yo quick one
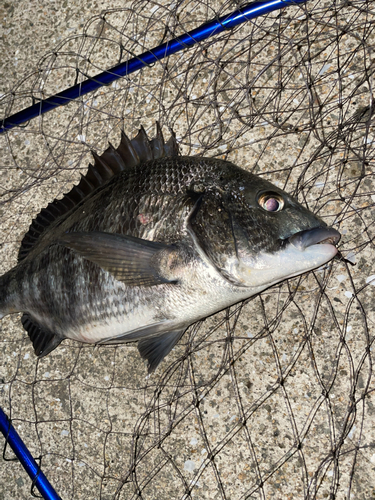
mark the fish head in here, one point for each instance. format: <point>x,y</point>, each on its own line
<point>256,234</point>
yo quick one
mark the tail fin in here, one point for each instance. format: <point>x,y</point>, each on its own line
<point>9,293</point>
<point>10,302</point>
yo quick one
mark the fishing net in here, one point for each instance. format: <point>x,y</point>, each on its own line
<point>274,397</point>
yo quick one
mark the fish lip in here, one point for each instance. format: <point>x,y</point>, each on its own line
<point>315,236</point>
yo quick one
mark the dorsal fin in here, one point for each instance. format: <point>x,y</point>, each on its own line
<point>129,154</point>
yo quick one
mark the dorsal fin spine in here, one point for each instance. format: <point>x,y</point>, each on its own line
<point>86,185</point>
<point>100,164</point>
<point>127,151</point>
<point>93,176</point>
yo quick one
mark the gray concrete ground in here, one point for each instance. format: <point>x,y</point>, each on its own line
<point>272,399</point>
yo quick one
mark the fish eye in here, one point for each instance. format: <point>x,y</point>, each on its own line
<point>271,202</point>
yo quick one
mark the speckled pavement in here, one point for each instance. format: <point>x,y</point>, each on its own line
<point>284,409</point>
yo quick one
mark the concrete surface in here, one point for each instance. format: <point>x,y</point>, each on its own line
<point>272,399</point>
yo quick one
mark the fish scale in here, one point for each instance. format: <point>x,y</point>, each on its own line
<point>150,242</point>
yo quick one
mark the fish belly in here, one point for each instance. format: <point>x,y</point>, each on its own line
<point>74,298</point>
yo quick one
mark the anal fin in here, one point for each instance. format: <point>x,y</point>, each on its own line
<point>154,349</point>
<point>43,341</point>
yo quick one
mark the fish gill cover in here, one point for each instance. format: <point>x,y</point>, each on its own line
<point>274,397</point>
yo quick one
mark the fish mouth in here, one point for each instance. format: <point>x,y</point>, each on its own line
<point>316,236</point>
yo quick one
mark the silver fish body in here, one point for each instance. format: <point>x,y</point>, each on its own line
<point>150,242</point>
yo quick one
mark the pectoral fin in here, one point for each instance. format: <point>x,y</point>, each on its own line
<point>154,349</point>
<point>131,260</point>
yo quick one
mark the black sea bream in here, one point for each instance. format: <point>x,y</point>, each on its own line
<point>150,242</point>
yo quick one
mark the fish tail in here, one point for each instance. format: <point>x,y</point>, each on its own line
<point>3,296</point>
<point>12,300</point>
<point>8,293</point>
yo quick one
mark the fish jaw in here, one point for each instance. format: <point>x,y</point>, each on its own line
<point>300,253</point>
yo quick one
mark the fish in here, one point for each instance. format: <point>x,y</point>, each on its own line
<point>149,242</point>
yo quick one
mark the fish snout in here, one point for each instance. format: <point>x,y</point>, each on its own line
<point>315,236</point>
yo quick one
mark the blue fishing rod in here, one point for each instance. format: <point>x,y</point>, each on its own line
<point>26,459</point>
<point>186,40</point>
<point>214,27</point>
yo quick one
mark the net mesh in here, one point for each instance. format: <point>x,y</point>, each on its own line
<point>274,397</point>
